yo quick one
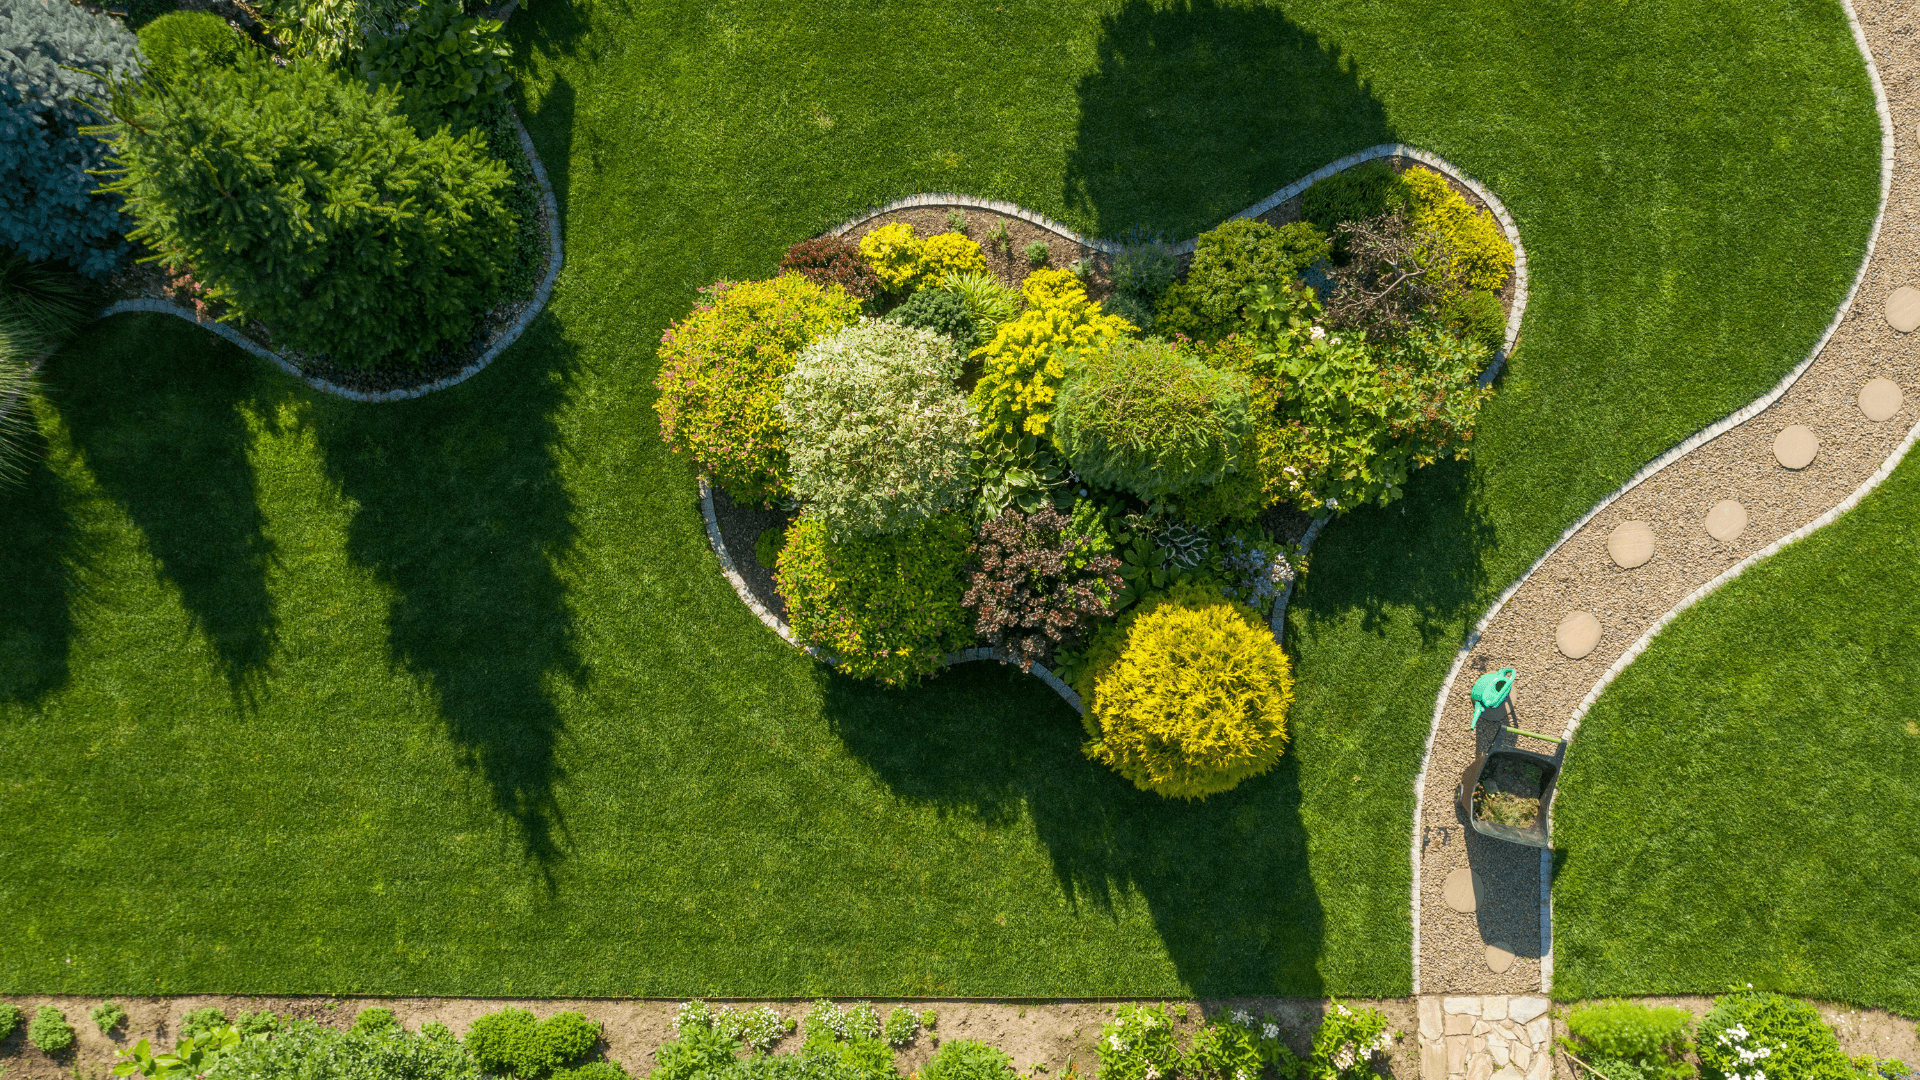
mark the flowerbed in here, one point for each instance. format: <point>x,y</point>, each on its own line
<point>975,456</point>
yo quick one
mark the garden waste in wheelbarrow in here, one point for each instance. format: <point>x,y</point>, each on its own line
<point>1505,793</point>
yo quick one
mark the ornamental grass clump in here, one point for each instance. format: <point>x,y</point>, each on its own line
<point>877,432</point>
<point>1022,367</point>
<point>1041,581</point>
<point>887,607</point>
<point>1149,419</point>
<point>832,260</point>
<point>305,202</point>
<point>1187,694</point>
<point>720,372</point>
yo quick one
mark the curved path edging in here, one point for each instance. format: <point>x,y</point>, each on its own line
<point>1681,450</point>
<point>506,337</point>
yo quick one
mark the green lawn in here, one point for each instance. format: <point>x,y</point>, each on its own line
<point>449,697</point>
<point>1743,804</point>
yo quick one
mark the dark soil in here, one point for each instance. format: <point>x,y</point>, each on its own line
<point>740,526</point>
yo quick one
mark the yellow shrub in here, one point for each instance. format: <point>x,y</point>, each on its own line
<point>1022,366</point>
<point>949,253</point>
<point>1482,258</point>
<point>1187,694</point>
<point>897,256</point>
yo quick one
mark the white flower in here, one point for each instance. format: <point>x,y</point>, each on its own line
<point>1152,1073</point>
<point>1318,333</point>
<point>1270,1031</point>
<point>1240,1017</point>
<point>1118,1046</point>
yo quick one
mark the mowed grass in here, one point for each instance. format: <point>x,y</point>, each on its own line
<point>450,697</point>
<point>1743,804</point>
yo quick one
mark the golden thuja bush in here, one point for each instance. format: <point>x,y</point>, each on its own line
<point>949,253</point>
<point>1187,694</point>
<point>1482,258</point>
<point>1021,368</point>
<point>896,255</point>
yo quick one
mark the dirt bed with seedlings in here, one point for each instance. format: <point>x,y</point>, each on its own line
<point>1738,465</point>
<point>1044,1038</point>
<point>1008,260</point>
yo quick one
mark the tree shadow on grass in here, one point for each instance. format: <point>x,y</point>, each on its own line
<point>462,511</point>
<point>1225,879</point>
<point>39,555</point>
<point>154,405</point>
<point>1198,109</point>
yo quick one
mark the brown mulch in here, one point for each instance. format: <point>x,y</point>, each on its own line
<point>1007,261</point>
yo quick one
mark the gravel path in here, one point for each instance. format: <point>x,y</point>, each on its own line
<point>1739,463</point>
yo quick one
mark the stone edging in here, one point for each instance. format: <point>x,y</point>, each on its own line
<point>499,344</point>
<point>1680,450</point>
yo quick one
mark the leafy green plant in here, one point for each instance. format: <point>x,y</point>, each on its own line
<point>1021,473</point>
<point>1137,1044</point>
<point>1238,1047</point>
<point>512,1042</point>
<point>1145,418</point>
<point>1655,1039</point>
<point>766,546</point>
<point>10,1018</point>
<point>939,311</point>
<point>849,1038</point>
<point>194,1055</point>
<point>1475,316</point>
<point>301,200</point>
<point>1365,191</point>
<point>107,1015</point>
<point>1000,238</point>
<point>52,56</point>
<point>968,1059</point>
<point>177,42</point>
<point>1021,368</point>
<point>445,65</point>
<point>1039,582</point>
<point>1186,695</point>
<point>877,432</point>
<point>1228,260</point>
<point>377,1019</point>
<point>761,1026</point>
<point>1145,270</point>
<point>592,1070</point>
<point>201,1022</point>
<point>957,221</point>
<point>1345,1045</point>
<point>988,302</point>
<point>720,377</point>
<point>887,607</point>
<point>698,1050</point>
<point>330,30</point>
<point>1755,1035</point>
<point>303,1050</point>
<point>901,1026</point>
<point>1038,253</point>
<point>49,1031</point>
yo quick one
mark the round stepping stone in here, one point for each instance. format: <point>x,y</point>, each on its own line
<point>1577,634</point>
<point>1499,957</point>
<point>1726,521</point>
<point>1880,399</point>
<point>1903,308</point>
<point>1630,544</point>
<point>1463,890</point>
<point>1796,446</point>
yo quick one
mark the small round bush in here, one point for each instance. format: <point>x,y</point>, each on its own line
<point>593,1070</point>
<point>1227,261</point>
<point>106,1016</point>
<point>1800,1044</point>
<point>720,370</point>
<point>888,607</point>
<point>1476,316</point>
<point>502,1042</point>
<point>966,1059</point>
<point>1041,580</point>
<point>1145,418</point>
<point>940,311</point>
<point>49,1032</point>
<point>170,42</point>
<point>1187,694</point>
<point>949,253</point>
<point>376,1019</point>
<point>832,260</point>
<point>1130,307</point>
<point>9,1018</point>
<point>196,1023</point>
<point>562,1039</point>
<point>1482,258</point>
<point>877,432</point>
<point>896,255</point>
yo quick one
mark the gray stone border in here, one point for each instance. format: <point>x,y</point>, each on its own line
<point>499,344</point>
<point>1685,447</point>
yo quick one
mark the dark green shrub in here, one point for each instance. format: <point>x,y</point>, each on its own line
<point>1788,1039</point>
<point>766,546</point>
<point>1147,419</point>
<point>1476,316</point>
<point>40,303</point>
<point>939,311</point>
<point>1653,1040</point>
<point>1364,191</point>
<point>511,1042</point>
<point>108,1015</point>
<point>198,1023</point>
<point>446,65</point>
<point>698,1050</point>
<point>49,1032</point>
<point>308,204</point>
<point>306,1051</point>
<point>1130,307</point>
<point>9,1018</point>
<point>1227,261</point>
<point>177,43</point>
<point>966,1059</point>
<point>50,55</point>
<point>1145,271</point>
<point>1039,582</point>
<point>377,1020</point>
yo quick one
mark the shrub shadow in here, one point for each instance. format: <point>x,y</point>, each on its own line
<point>39,560</point>
<point>162,431</point>
<point>1225,879</point>
<point>463,513</point>
<point>1197,110</point>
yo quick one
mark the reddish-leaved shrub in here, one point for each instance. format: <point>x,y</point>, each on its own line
<point>832,260</point>
<point>1038,583</point>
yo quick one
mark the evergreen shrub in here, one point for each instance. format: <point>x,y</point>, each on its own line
<point>1145,271</point>
<point>170,44</point>
<point>52,54</point>
<point>303,201</point>
<point>896,255</point>
<point>968,1059</point>
<point>1039,582</point>
<point>877,432</point>
<point>1227,261</point>
<point>939,311</point>
<point>1482,258</point>
<point>1021,368</point>
<point>888,607</point>
<point>1145,418</point>
<point>512,1043</point>
<point>1365,191</point>
<point>720,371</point>
<point>49,1032</point>
<point>446,66</point>
<point>832,260</point>
<point>949,253</point>
<point>1186,695</point>
<point>1130,308</point>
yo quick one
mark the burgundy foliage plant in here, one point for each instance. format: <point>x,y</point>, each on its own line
<point>1035,587</point>
<point>832,260</point>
